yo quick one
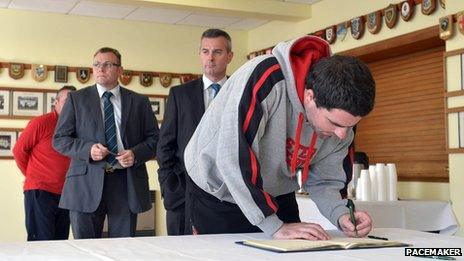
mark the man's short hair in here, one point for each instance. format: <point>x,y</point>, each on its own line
<point>215,33</point>
<point>342,82</point>
<point>109,50</point>
<point>66,87</point>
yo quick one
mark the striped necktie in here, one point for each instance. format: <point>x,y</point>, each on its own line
<point>216,87</point>
<point>110,128</point>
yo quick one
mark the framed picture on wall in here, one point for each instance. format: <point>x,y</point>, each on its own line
<point>27,103</point>
<point>50,101</point>
<point>4,102</point>
<point>61,73</point>
<point>157,105</point>
<point>7,142</point>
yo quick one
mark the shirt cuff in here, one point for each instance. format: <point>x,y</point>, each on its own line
<point>270,225</point>
<point>337,213</point>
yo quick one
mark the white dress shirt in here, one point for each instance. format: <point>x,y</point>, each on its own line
<point>208,92</point>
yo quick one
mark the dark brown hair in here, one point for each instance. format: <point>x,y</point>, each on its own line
<point>109,50</point>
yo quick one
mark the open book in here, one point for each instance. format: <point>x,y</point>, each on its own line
<point>298,245</point>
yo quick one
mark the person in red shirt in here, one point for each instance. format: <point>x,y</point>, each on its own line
<point>44,170</point>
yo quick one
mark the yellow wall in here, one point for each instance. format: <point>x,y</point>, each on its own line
<point>55,39</point>
<point>332,12</point>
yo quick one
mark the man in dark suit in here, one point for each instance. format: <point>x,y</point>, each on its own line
<point>109,132</point>
<point>185,107</point>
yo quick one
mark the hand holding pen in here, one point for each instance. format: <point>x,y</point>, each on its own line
<point>350,206</point>
<point>98,151</point>
<point>355,223</point>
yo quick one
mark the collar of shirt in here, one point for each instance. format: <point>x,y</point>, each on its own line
<point>116,91</point>
<point>207,82</point>
<point>55,114</point>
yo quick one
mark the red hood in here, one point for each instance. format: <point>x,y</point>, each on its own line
<point>303,54</point>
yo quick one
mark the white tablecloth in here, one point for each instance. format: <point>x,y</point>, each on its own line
<point>409,214</point>
<point>211,247</point>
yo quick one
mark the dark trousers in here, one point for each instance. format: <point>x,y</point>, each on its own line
<point>207,215</point>
<point>175,221</point>
<point>114,205</point>
<point>44,219</point>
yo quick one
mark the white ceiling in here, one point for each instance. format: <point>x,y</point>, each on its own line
<point>141,13</point>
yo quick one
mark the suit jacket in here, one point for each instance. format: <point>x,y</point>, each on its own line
<point>80,125</point>
<point>183,112</point>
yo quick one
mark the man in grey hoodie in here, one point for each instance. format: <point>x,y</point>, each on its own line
<point>279,113</point>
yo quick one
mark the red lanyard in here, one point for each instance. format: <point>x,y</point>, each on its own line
<point>309,156</point>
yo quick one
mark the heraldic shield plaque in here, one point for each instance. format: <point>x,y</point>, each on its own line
<point>446,27</point>
<point>331,34</point>
<point>391,16</point>
<point>407,10</point>
<point>83,74</point>
<point>374,20</point>
<point>341,31</point>
<point>39,72</point>
<point>16,70</point>
<point>126,77</point>
<point>357,27</point>
<point>428,6</point>
<point>146,78</point>
<point>165,79</point>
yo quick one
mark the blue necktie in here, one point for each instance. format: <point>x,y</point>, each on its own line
<point>216,87</point>
<point>110,128</point>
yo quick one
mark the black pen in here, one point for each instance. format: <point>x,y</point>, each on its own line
<point>350,206</point>
<point>112,153</point>
<point>376,237</point>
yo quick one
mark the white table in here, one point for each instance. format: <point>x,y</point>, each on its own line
<point>211,247</point>
<point>409,214</point>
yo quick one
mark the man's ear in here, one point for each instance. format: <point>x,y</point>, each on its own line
<point>308,95</point>
<point>230,55</point>
<point>120,71</point>
<point>56,100</point>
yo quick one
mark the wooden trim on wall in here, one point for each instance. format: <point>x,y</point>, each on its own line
<point>22,89</point>
<point>429,179</point>
<point>454,110</point>
<point>454,93</point>
<point>454,52</point>
<point>445,103</point>
<point>16,117</point>
<point>73,69</point>
<point>455,150</point>
<point>12,129</point>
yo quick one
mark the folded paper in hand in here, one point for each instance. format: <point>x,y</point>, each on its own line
<point>299,245</point>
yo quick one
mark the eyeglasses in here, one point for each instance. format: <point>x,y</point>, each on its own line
<point>105,65</point>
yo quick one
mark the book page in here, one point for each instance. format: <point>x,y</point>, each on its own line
<point>294,244</point>
<point>352,242</point>
<point>333,244</point>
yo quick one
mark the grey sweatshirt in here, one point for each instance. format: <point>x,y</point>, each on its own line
<point>248,145</point>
